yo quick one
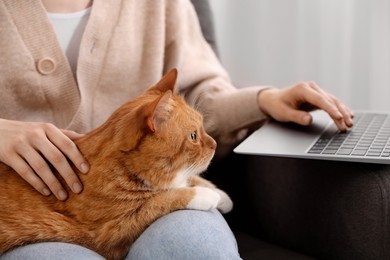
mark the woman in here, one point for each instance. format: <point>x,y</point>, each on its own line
<point>67,65</point>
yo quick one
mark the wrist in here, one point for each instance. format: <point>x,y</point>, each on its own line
<point>263,97</point>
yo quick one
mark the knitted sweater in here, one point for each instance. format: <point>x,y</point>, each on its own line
<point>127,46</point>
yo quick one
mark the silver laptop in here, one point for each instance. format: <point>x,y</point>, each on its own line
<point>367,141</point>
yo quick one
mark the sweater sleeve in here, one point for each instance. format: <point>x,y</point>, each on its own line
<point>227,110</point>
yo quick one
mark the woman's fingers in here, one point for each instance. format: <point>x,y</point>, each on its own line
<point>298,116</point>
<point>315,96</point>
<point>71,134</point>
<point>293,103</point>
<point>34,150</point>
<point>57,159</point>
<point>343,109</point>
<point>43,170</point>
<point>67,146</point>
<point>28,174</point>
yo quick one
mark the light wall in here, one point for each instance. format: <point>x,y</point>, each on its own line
<point>343,45</point>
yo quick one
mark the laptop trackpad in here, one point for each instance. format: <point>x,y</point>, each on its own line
<point>276,138</point>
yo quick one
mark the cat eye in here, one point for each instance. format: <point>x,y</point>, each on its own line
<point>193,136</point>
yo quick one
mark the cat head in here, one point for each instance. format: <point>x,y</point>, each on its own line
<point>160,138</point>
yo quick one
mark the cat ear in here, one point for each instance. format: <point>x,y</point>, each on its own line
<point>159,111</point>
<point>167,82</point>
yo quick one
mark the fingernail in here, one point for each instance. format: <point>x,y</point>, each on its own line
<point>343,126</point>
<point>77,187</point>
<point>84,168</point>
<point>349,122</point>
<point>62,195</point>
<point>307,119</point>
<point>46,192</point>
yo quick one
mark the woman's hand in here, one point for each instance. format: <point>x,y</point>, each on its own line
<point>28,147</point>
<point>293,103</point>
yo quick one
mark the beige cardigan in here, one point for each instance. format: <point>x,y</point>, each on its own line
<point>127,46</point>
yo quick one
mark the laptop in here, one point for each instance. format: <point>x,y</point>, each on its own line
<point>368,141</point>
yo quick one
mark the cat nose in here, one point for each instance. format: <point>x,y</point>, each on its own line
<point>213,144</point>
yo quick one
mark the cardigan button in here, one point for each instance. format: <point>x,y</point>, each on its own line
<point>46,66</point>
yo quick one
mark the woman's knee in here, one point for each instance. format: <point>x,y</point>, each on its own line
<point>49,251</point>
<point>187,234</point>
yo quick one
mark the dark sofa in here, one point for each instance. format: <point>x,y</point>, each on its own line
<point>306,209</point>
<point>303,209</point>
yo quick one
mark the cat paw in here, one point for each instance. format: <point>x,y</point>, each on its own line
<point>204,199</point>
<point>225,204</point>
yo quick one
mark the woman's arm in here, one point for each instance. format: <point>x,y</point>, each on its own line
<point>228,111</point>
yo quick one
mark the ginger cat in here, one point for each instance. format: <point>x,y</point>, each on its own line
<point>145,162</point>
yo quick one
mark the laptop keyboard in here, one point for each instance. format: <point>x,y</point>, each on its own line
<point>370,136</point>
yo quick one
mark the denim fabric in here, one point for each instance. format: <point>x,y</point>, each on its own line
<point>185,234</point>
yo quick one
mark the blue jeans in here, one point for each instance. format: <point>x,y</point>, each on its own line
<point>184,234</point>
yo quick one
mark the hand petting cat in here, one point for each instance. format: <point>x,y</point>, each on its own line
<point>293,103</point>
<point>28,146</point>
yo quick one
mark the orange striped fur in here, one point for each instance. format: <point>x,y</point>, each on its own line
<point>145,162</point>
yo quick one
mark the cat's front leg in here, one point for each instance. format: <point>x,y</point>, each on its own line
<point>204,199</point>
<point>225,204</point>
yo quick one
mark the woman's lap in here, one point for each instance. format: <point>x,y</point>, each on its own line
<point>51,250</point>
<point>185,234</point>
